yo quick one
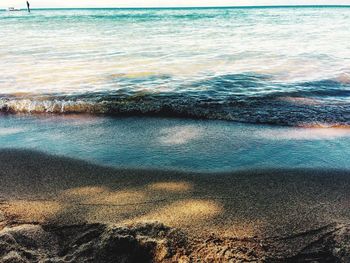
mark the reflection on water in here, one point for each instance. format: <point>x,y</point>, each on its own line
<point>179,134</point>
<point>177,143</point>
<point>305,134</point>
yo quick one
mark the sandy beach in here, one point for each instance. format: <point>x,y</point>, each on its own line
<point>186,131</point>
<point>262,215</point>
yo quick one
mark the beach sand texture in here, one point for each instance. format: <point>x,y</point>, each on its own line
<point>272,214</point>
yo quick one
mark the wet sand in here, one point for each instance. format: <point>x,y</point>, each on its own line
<point>276,213</point>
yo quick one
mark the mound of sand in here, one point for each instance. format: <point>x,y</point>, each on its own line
<point>90,243</point>
<point>154,242</point>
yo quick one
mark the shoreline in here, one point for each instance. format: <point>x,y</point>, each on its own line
<point>292,207</point>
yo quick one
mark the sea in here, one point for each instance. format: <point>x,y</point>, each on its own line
<point>204,89</point>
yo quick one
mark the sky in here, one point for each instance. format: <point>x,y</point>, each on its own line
<point>163,3</point>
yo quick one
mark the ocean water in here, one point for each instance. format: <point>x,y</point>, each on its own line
<point>179,144</point>
<point>281,66</point>
<point>97,84</point>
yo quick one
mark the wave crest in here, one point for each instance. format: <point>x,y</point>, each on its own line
<point>242,98</point>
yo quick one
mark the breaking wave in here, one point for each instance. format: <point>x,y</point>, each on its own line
<point>248,98</point>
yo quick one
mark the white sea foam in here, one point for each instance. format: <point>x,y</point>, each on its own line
<point>9,131</point>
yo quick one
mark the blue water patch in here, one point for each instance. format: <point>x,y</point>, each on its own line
<point>177,143</point>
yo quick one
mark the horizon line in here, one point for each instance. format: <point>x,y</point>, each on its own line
<point>190,7</point>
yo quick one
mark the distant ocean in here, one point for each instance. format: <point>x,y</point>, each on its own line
<point>284,66</point>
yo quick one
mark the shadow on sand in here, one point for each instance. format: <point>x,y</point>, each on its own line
<point>298,205</point>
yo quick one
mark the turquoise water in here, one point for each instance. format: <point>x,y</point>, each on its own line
<point>180,144</point>
<point>283,66</point>
<point>222,72</point>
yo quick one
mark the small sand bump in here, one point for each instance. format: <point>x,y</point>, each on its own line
<point>186,212</point>
<point>83,192</point>
<point>171,186</point>
<point>33,211</point>
<point>119,197</point>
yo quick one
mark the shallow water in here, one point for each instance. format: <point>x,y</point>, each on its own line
<point>285,66</point>
<point>177,143</point>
